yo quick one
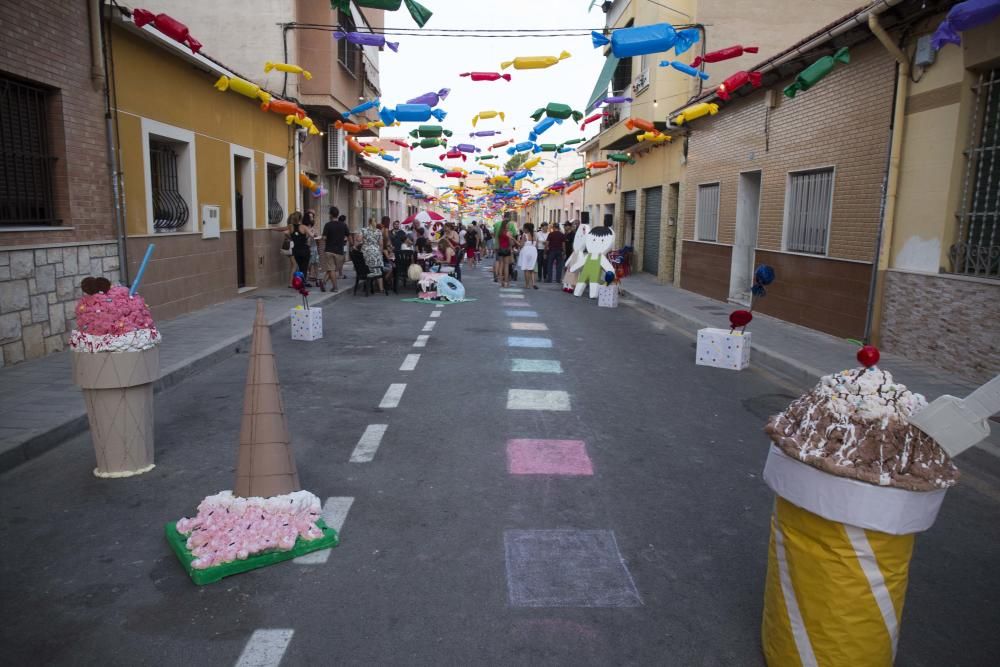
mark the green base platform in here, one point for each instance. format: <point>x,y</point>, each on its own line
<point>215,573</point>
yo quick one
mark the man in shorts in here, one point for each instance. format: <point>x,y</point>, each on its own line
<point>335,234</point>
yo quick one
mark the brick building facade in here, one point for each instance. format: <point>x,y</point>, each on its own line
<point>829,143</point>
<point>56,215</point>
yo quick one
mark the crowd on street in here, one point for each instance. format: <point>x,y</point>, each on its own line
<point>387,248</point>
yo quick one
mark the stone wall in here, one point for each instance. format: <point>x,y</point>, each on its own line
<point>38,291</point>
<point>944,320</point>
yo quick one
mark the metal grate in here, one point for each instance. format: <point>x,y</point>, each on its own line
<point>25,159</point>
<point>170,211</point>
<point>807,216</point>
<point>707,213</point>
<point>275,214</point>
<point>348,54</point>
<point>976,251</point>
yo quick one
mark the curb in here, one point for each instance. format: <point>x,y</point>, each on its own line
<point>42,442</point>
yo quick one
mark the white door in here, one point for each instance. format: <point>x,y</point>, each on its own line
<point>747,217</point>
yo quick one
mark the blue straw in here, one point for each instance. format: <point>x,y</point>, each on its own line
<point>142,269</point>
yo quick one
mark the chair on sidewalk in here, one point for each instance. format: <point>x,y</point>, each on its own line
<point>362,275</point>
<point>404,258</point>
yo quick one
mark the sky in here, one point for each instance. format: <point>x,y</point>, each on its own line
<point>426,64</point>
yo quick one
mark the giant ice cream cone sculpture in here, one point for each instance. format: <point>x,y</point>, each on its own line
<point>265,465</point>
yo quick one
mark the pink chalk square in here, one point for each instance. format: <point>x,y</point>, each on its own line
<point>527,456</point>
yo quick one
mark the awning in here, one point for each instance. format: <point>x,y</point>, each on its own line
<point>603,81</point>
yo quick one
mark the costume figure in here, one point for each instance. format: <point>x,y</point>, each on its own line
<point>594,263</point>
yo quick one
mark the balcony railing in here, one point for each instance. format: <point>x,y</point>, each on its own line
<point>615,113</point>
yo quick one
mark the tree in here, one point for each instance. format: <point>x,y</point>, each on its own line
<point>515,162</point>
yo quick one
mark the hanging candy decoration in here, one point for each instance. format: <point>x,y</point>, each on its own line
<point>431,99</point>
<point>433,167</point>
<point>557,110</point>
<point>410,113</point>
<point>366,39</point>
<point>304,122</point>
<point>534,62</point>
<point>961,17</point>
<point>485,133</point>
<point>484,115</point>
<point>350,128</point>
<point>520,147</point>
<point>455,173</point>
<point>654,137</point>
<point>685,68</point>
<point>578,174</point>
<point>430,131</point>
<point>590,119</point>
<point>311,185</point>
<point>355,146</point>
<point>431,142</point>
<point>453,154</point>
<point>287,69</point>
<point>371,149</point>
<point>737,81</point>
<point>418,12</point>
<point>389,158</point>
<point>488,156</point>
<point>615,99</point>
<point>531,162</point>
<point>361,108</point>
<point>573,142</point>
<point>645,39</point>
<point>723,54</point>
<point>283,107</point>
<point>168,25</point>
<point>243,87</point>
<point>621,157</point>
<point>564,149</point>
<point>400,143</point>
<point>376,123</point>
<point>486,76</point>
<point>545,148</point>
<point>695,111</point>
<point>811,75</point>
<point>541,127</point>
<point>598,164</point>
<point>634,123</point>
<point>573,188</point>
<point>468,148</point>
<point>500,144</point>
<point>490,165</point>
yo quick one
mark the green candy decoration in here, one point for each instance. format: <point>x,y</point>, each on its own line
<point>546,148</point>
<point>429,131</point>
<point>420,14</point>
<point>808,77</point>
<point>557,110</point>
<point>621,157</point>
<point>573,141</point>
<point>578,174</point>
<point>488,156</point>
<point>429,143</point>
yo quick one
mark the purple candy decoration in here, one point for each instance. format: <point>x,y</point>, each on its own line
<point>617,99</point>
<point>431,99</point>
<point>484,133</point>
<point>964,16</point>
<point>366,39</point>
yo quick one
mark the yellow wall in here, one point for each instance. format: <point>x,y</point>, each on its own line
<point>154,83</point>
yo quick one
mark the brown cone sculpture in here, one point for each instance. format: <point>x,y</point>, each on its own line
<point>266,465</point>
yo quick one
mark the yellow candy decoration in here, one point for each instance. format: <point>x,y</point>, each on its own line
<point>243,87</point>
<point>695,111</point>
<point>534,62</point>
<point>288,69</point>
<point>528,164</point>
<point>483,115</point>
<point>654,137</point>
<point>306,123</point>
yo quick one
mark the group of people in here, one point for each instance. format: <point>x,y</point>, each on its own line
<point>540,252</point>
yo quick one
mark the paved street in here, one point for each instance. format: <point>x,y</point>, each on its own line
<point>549,483</point>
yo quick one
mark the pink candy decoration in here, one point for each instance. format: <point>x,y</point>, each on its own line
<point>114,313</point>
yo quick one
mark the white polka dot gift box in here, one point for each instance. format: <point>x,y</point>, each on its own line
<point>722,349</point>
<point>307,323</point>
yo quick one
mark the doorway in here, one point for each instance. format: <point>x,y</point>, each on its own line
<point>242,189</point>
<point>745,244</point>
<point>652,198</point>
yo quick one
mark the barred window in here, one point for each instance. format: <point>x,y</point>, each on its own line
<point>347,53</point>
<point>26,160</point>
<point>976,251</point>
<point>808,204</point>
<point>707,213</point>
<point>275,213</point>
<point>170,210</point>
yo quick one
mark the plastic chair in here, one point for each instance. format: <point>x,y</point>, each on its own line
<point>362,275</point>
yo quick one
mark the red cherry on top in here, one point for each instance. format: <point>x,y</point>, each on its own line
<point>740,318</point>
<point>868,356</point>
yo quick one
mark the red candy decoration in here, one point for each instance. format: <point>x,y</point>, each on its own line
<point>737,81</point>
<point>740,318</point>
<point>168,25</point>
<point>868,356</point>
<point>723,54</point>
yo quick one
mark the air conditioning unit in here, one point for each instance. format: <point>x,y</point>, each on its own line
<point>336,149</point>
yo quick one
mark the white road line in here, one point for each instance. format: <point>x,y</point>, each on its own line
<point>429,325</point>
<point>421,341</point>
<point>365,450</point>
<point>535,366</point>
<point>528,326</point>
<point>435,313</point>
<point>392,395</point>
<point>439,306</point>
<point>410,362</point>
<point>334,513</point>
<point>265,648</point>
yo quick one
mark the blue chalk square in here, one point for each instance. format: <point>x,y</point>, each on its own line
<point>524,341</point>
<point>520,313</point>
<point>567,568</point>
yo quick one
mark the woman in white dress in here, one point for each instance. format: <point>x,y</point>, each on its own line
<point>528,258</point>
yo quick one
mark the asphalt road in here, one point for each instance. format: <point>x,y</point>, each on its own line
<point>447,558</point>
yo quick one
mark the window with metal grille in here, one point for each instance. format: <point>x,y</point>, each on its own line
<point>275,214</point>
<point>808,204</point>
<point>976,251</point>
<point>170,210</point>
<point>348,54</point>
<point>707,213</point>
<point>621,82</point>
<point>26,162</point>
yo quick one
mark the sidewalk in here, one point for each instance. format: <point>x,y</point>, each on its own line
<point>41,406</point>
<point>800,354</point>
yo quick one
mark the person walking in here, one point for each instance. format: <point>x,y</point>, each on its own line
<point>314,276</point>
<point>335,234</point>
<point>505,250</point>
<point>299,235</point>
<point>527,260</point>
<point>472,244</point>
<point>554,255</point>
<point>507,223</point>
<point>371,248</point>
<point>541,238</point>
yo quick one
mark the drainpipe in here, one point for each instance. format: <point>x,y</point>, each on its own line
<point>96,56</point>
<point>883,245</point>
<point>105,80</point>
<point>298,187</point>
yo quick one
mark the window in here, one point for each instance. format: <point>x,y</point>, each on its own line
<point>26,161</point>
<point>808,201</point>
<point>275,212</point>
<point>347,53</point>
<point>707,213</point>
<point>976,251</point>
<point>170,210</point>
<point>621,84</point>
